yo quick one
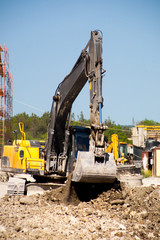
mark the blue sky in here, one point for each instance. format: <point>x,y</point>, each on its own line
<point>45,38</point>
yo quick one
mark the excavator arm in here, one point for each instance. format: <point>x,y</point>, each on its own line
<point>63,99</point>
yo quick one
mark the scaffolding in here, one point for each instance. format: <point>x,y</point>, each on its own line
<point>6,98</point>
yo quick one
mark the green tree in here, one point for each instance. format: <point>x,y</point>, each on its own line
<point>72,117</point>
<point>123,132</point>
<point>35,127</point>
<point>81,117</point>
<point>148,122</point>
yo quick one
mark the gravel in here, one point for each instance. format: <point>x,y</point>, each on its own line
<point>64,213</point>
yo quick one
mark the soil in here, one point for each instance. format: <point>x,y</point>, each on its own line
<point>83,212</point>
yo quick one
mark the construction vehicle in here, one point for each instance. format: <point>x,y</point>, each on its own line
<point>122,151</point>
<point>113,147</point>
<point>123,156</point>
<point>70,149</point>
<point>23,156</point>
<point>126,152</point>
<point>60,153</point>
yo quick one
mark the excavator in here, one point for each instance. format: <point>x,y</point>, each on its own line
<point>122,151</point>
<point>75,150</point>
<point>118,149</point>
<point>61,153</point>
<point>23,155</point>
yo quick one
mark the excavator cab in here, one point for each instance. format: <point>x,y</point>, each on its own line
<point>123,149</point>
<point>81,139</point>
<point>78,141</point>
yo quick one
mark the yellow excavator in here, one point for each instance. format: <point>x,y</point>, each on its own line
<point>24,156</point>
<point>114,146</point>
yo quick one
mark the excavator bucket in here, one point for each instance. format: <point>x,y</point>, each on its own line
<point>88,170</point>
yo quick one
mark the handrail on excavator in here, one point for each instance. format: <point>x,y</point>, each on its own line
<point>21,128</point>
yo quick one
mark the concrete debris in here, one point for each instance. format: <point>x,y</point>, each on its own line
<point>27,200</point>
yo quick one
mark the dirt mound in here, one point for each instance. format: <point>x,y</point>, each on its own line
<point>138,206</point>
<point>128,213</point>
<point>74,193</point>
<point>65,194</point>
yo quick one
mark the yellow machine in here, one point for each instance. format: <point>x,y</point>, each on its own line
<point>123,152</point>
<point>22,157</point>
<point>113,146</point>
<point>117,149</point>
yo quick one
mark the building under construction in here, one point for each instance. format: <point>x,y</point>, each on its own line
<point>6,98</point>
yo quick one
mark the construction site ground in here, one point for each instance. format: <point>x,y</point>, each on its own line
<point>66,213</point>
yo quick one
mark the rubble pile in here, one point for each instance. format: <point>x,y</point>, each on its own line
<point>4,176</point>
<point>127,213</point>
